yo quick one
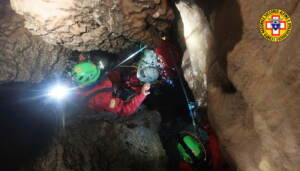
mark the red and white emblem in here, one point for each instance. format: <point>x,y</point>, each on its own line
<point>276,25</point>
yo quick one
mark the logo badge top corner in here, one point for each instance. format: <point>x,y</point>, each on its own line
<point>275,25</point>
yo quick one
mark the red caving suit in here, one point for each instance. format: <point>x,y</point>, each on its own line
<point>106,101</point>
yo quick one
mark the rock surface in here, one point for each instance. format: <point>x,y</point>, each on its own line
<point>96,24</point>
<point>24,57</point>
<point>253,87</point>
<point>199,47</point>
<point>106,142</point>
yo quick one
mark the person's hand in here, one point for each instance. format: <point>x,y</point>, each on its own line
<point>146,88</point>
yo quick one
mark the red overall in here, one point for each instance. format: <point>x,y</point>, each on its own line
<point>183,166</point>
<point>105,100</point>
<point>214,150</point>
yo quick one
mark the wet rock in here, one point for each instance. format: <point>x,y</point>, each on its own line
<point>24,57</point>
<point>199,47</point>
<point>96,25</point>
<point>106,142</point>
<point>253,88</point>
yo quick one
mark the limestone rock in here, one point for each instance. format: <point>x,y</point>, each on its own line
<point>24,57</point>
<point>253,88</point>
<point>199,47</point>
<point>253,85</point>
<point>95,24</point>
<point>105,142</point>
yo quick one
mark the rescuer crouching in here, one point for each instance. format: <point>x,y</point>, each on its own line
<point>97,90</point>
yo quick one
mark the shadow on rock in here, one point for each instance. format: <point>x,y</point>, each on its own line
<point>228,30</point>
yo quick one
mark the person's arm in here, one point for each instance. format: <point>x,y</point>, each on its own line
<point>132,105</point>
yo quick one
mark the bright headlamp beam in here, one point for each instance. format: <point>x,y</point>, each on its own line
<point>58,92</point>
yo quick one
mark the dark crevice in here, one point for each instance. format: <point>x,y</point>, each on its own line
<point>228,30</point>
<point>26,126</point>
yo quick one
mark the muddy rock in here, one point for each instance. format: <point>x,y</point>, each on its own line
<point>96,24</point>
<point>24,57</point>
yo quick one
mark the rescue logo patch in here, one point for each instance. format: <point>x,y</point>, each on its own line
<point>275,25</point>
<point>112,103</point>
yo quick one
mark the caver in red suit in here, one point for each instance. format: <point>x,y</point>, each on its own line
<point>105,100</point>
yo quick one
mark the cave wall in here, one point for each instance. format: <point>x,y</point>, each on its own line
<point>253,87</point>
<point>24,57</point>
<point>96,24</point>
<point>199,44</point>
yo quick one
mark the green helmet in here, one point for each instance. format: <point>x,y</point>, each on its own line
<point>190,149</point>
<point>85,73</point>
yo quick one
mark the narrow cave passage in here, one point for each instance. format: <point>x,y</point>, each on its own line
<point>92,141</point>
<point>29,123</point>
<point>245,86</point>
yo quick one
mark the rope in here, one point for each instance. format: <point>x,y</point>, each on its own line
<point>189,104</point>
<point>129,57</point>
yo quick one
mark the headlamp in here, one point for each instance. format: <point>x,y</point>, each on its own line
<point>58,91</point>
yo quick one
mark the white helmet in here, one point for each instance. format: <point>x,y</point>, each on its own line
<point>148,67</point>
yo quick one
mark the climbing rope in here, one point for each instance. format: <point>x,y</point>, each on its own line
<point>191,105</point>
<point>130,57</point>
